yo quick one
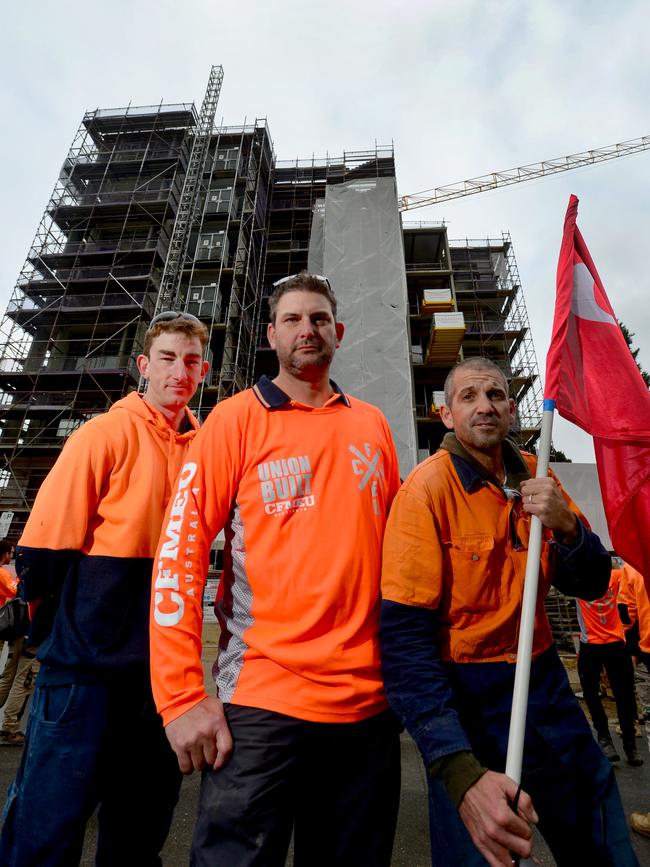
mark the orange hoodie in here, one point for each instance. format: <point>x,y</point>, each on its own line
<point>88,545</point>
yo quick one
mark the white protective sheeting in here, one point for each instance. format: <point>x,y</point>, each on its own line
<point>363,257</point>
<point>581,483</point>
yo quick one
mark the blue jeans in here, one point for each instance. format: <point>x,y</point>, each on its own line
<point>89,745</point>
<point>580,813</point>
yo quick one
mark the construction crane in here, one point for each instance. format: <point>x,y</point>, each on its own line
<point>495,180</point>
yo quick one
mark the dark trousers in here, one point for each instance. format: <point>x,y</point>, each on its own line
<point>336,785</point>
<point>91,745</point>
<point>616,661</point>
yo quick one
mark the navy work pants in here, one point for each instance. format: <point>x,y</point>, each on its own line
<point>580,812</point>
<point>336,785</point>
<point>90,745</point>
<point>616,661</point>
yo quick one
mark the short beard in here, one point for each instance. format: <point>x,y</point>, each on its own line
<point>309,367</point>
<point>488,439</point>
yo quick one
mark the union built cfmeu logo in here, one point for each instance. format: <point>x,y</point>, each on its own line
<point>285,484</point>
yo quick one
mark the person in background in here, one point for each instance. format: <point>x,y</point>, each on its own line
<point>602,646</point>
<point>8,581</point>
<point>94,738</point>
<point>635,609</point>
<point>21,666</point>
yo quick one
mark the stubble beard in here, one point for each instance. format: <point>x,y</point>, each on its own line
<point>490,438</point>
<point>307,367</point>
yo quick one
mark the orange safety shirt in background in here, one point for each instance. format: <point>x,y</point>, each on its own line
<point>303,493</point>
<point>8,585</point>
<point>599,621</point>
<point>635,595</point>
<point>463,553</point>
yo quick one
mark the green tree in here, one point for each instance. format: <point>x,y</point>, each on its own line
<point>628,335</point>
<point>559,456</point>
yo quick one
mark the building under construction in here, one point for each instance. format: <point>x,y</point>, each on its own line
<point>156,208</point>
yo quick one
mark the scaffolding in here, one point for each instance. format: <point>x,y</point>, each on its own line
<point>242,320</point>
<point>88,288</point>
<point>298,186</point>
<point>155,208</point>
<point>488,291</point>
<point>465,300</point>
<point>197,143</point>
<point>224,266</point>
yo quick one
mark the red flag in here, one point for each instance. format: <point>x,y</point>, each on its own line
<point>595,383</point>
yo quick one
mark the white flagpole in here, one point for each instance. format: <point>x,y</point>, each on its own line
<point>525,647</point>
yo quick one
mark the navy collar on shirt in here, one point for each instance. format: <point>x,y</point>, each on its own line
<point>472,474</point>
<point>272,397</point>
<point>466,473</point>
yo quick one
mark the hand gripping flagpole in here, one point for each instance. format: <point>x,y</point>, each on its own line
<point>515,754</point>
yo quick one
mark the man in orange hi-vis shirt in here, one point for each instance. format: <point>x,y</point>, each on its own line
<point>602,645</point>
<point>453,567</point>
<point>302,477</point>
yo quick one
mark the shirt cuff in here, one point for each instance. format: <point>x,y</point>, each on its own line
<point>575,543</point>
<point>457,772</point>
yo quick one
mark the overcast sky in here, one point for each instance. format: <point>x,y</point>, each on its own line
<point>461,87</point>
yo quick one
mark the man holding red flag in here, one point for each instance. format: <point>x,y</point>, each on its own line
<point>455,551</point>
<point>594,382</point>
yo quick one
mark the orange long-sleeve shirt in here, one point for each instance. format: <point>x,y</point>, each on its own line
<point>460,548</point>
<point>304,493</point>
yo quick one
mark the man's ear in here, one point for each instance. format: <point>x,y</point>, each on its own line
<point>446,417</point>
<point>143,365</point>
<point>270,334</point>
<point>340,331</point>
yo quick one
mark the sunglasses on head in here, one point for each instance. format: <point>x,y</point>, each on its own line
<point>318,277</point>
<point>171,316</point>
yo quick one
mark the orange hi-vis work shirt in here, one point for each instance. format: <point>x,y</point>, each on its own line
<point>599,621</point>
<point>303,494</point>
<point>8,585</point>
<point>634,594</point>
<point>463,553</point>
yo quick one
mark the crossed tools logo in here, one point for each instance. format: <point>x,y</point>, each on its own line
<point>371,469</point>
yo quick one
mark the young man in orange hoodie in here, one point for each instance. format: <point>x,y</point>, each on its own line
<point>94,737</point>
